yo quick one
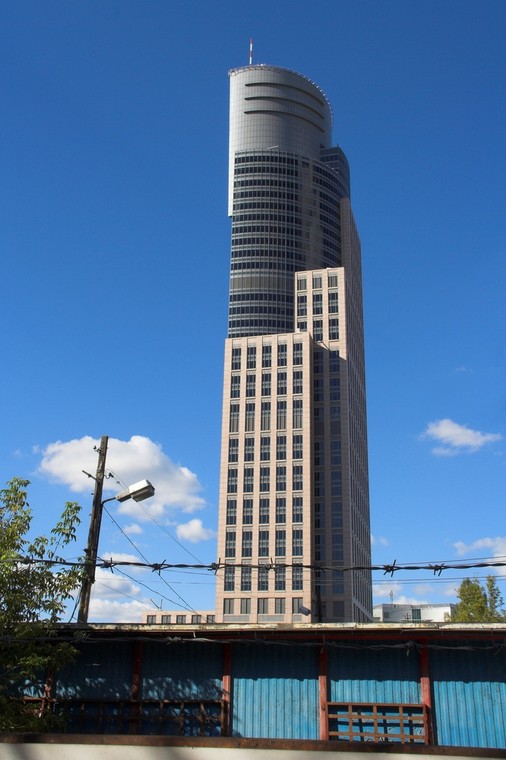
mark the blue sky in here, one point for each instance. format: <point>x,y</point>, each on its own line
<point>115,255</point>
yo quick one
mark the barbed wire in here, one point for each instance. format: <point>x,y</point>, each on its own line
<point>388,569</point>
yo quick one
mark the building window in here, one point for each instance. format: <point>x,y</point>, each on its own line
<point>229,579</point>
<point>266,356</point>
<point>235,386</point>
<point>251,357</point>
<point>282,354</point>
<point>150,619</point>
<point>280,478</point>
<point>263,578</point>
<point>334,389</point>
<point>232,480</point>
<point>297,581</point>
<point>228,606</point>
<point>333,328</point>
<point>236,358</point>
<point>247,511</point>
<point>265,448</point>
<point>337,514</point>
<point>297,542</point>
<point>279,578</point>
<point>296,605</point>
<point>279,606</point>
<point>265,479</point>
<point>281,415</point>
<point>337,582</point>
<point>297,381</point>
<point>281,448</point>
<point>280,546</point>
<point>297,477</point>
<point>317,303</point>
<point>231,518</point>
<point>317,329</point>
<point>245,606</point>
<point>250,417</point>
<point>280,509</point>
<point>263,543</point>
<point>301,305</point>
<point>301,283</point>
<point>265,417</point>
<point>317,281</point>
<point>165,619</point>
<point>297,446</point>
<point>250,385</point>
<point>333,361</point>
<point>333,303</point>
<point>196,619</point>
<point>337,547</point>
<point>263,606</point>
<point>230,543</point>
<point>416,614</point>
<point>210,618</point>
<point>317,362</point>
<point>180,619</point>
<point>297,353</point>
<point>281,383</point>
<point>317,390</point>
<point>234,418</point>
<point>247,543</point>
<point>249,449</point>
<point>245,578</point>
<point>263,512</point>
<point>297,413</point>
<point>333,281</point>
<point>233,450</point>
<point>319,484</point>
<point>248,480</point>
<point>297,509</point>
<point>266,384</point>
<point>335,453</point>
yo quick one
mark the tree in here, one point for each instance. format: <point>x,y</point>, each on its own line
<point>34,591</point>
<point>478,604</point>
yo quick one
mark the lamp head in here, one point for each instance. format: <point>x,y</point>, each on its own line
<point>138,491</point>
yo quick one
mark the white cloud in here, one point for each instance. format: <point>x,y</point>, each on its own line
<point>456,438</point>
<point>133,529</point>
<point>194,531</point>
<point>379,541</point>
<point>112,611</point>
<point>494,547</point>
<point>177,488</point>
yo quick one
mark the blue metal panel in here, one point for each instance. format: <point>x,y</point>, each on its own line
<point>275,692</point>
<point>469,687</point>
<point>182,671</point>
<point>374,675</point>
<point>101,671</point>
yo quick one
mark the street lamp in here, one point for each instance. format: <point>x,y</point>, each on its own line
<point>138,492</point>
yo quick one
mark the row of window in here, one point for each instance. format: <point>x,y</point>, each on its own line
<point>264,510</point>
<point>264,606</point>
<point>317,281</point>
<point>266,388</point>
<point>333,303</point>
<point>265,479</point>
<point>251,356</point>
<point>265,448</point>
<point>279,543</point>
<point>278,577</point>
<point>318,328</point>
<point>265,415</point>
<point>165,619</point>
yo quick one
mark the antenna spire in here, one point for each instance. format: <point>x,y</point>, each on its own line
<point>250,51</point>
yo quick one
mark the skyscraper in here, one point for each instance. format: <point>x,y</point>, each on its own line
<point>294,504</point>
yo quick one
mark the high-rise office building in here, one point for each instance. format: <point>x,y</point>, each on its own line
<point>294,504</point>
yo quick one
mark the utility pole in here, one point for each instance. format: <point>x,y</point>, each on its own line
<point>93,535</point>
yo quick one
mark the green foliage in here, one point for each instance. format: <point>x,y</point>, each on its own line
<point>478,604</point>
<point>34,592</point>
